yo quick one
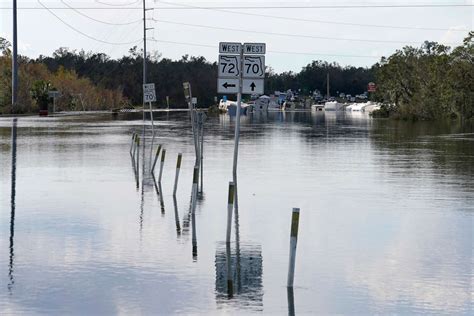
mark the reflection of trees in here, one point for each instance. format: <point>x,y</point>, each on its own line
<point>445,146</point>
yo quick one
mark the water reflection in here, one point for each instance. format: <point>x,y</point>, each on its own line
<point>246,267</point>
<point>194,241</point>
<point>239,271</point>
<point>12,210</point>
<point>176,216</point>
<point>291,301</point>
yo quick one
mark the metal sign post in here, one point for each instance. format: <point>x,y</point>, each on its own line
<point>54,94</point>
<point>149,95</point>
<point>241,69</point>
<point>189,99</point>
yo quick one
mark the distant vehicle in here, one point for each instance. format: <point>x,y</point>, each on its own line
<point>348,96</point>
<point>342,95</point>
<point>353,99</point>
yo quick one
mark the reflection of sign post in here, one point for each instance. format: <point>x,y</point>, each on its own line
<point>149,94</point>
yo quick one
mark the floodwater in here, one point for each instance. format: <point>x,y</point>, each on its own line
<point>386,220</point>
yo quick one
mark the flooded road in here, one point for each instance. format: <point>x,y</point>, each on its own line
<point>386,221</point>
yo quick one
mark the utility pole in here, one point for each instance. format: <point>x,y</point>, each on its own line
<point>14,59</point>
<point>144,73</point>
<point>144,65</point>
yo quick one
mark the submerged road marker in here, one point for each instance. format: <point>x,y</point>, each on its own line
<point>156,158</point>
<point>178,167</point>
<point>161,164</point>
<point>230,206</point>
<point>295,218</point>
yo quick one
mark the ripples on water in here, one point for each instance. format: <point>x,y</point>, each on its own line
<point>386,217</point>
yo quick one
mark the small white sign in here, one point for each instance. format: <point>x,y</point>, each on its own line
<point>194,100</point>
<point>229,66</point>
<point>254,66</point>
<point>227,85</point>
<point>252,86</point>
<point>54,94</point>
<point>149,94</point>
<point>254,48</point>
<point>229,48</point>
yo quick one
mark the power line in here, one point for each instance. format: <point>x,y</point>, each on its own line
<point>264,7</point>
<point>326,6</point>
<point>82,33</point>
<point>268,51</point>
<point>117,5</point>
<point>288,34</point>
<point>99,21</point>
<point>321,21</point>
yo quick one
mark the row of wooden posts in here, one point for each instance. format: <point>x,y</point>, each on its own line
<point>197,125</point>
<point>135,152</point>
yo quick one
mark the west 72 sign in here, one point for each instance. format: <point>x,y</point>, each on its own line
<point>253,66</point>
<point>241,66</point>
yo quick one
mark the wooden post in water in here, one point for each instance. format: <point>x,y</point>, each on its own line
<point>178,167</point>
<point>194,189</point>
<point>138,153</point>
<point>135,147</point>
<point>133,142</point>
<point>161,164</point>
<point>201,149</point>
<point>295,218</point>
<point>193,210</point>
<point>156,158</point>
<point>230,206</point>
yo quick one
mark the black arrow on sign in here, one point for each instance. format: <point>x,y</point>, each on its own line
<point>228,85</point>
<point>253,85</point>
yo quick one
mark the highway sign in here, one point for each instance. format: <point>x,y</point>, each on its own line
<point>149,94</point>
<point>227,85</point>
<point>229,66</point>
<point>254,48</point>
<point>254,66</point>
<point>371,87</point>
<point>187,90</point>
<point>229,48</point>
<point>252,86</point>
<point>54,94</point>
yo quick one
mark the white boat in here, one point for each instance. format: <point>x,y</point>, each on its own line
<point>231,107</point>
<point>260,105</point>
<point>333,106</point>
<point>371,106</point>
<point>350,106</point>
<point>359,107</point>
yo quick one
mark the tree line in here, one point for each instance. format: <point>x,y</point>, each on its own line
<point>427,83</point>
<point>419,83</point>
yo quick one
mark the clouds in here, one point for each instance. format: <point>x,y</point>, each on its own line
<point>454,34</point>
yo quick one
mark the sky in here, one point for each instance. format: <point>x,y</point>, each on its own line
<point>294,36</point>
